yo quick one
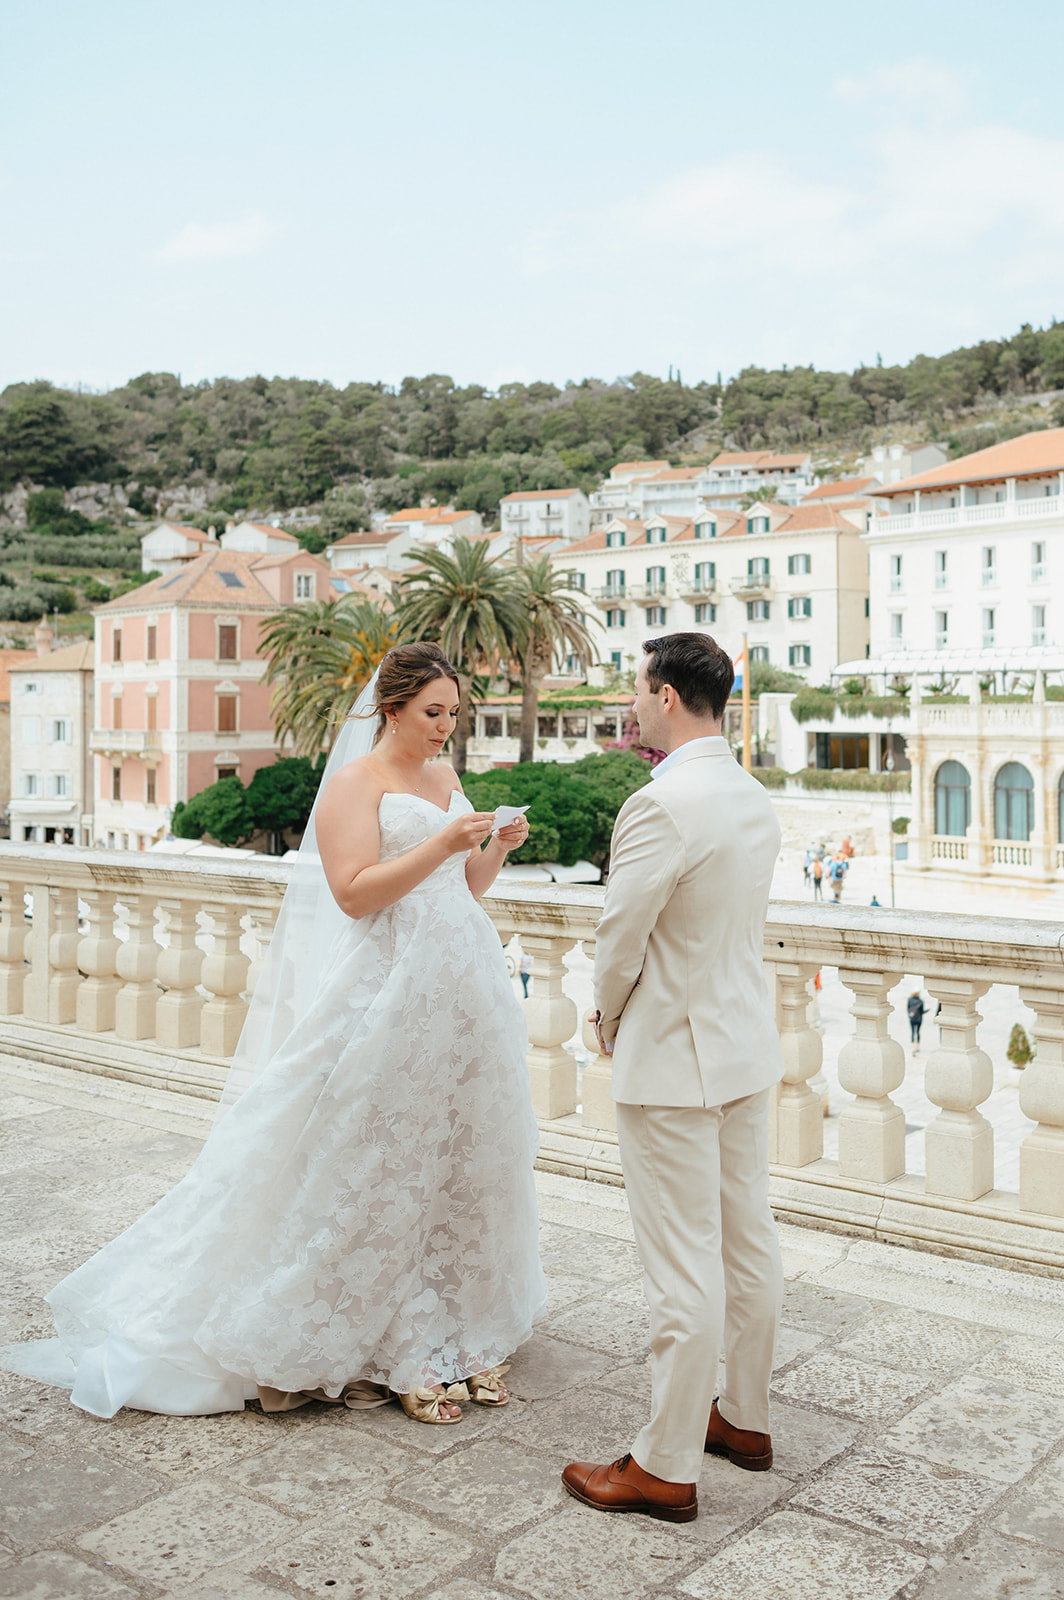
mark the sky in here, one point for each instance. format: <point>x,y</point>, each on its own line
<point>502,192</point>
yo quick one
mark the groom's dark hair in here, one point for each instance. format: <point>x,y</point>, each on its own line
<point>697,668</point>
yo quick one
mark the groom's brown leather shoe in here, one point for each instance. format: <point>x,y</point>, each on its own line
<point>624,1486</point>
<point>751,1451</point>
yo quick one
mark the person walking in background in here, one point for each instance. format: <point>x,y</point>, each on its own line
<point>839,867</point>
<point>807,865</point>
<point>818,878</point>
<point>916,1009</point>
<point>525,970</point>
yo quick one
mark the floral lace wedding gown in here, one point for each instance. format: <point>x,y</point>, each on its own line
<point>366,1210</point>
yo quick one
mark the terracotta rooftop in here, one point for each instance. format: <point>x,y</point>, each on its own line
<point>185,528</point>
<point>366,537</point>
<point>539,494</point>
<point>675,475</point>
<point>841,486</point>
<point>1030,454</point>
<point>218,577</point>
<point>644,466</point>
<point>758,458</point>
<point>70,658</point>
<point>816,519</point>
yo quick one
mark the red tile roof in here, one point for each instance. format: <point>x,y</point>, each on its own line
<point>538,494</point>
<point>78,657</point>
<point>1027,456</point>
<point>367,537</point>
<point>275,533</point>
<point>9,659</point>
<point>841,486</point>
<point>199,582</point>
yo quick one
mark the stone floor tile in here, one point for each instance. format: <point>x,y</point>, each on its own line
<point>23,1312</point>
<point>497,1485</point>
<point>1025,1363</point>
<point>319,1470</point>
<point>390,1422</point>
<point>546,1366</point>
<point>13,1107</point>
<point>563,1291</point>
<point>467,1590</point>
<point>581,1552</point>
<point>605,1260</point>
<point>803,1440</point>
<point>224,1585</point>
<point>904,1339</point>
<point>595,1424</point>
<point>611,1323</point>
<point>594,1220</point>
<point>375,1552</point>
<point>797,1557</point>
<point>178,1537</point>
<point>48,1500</point>
<point>901,1496</point>
<point>182,1446</point>
<point>56,1575</point>
<point>898,1284</point>
<point>1038,1513</point>
<point>46,1413</point>
<point>991,1429</point>
<point>14,1453</point>
<point>728,1497</point>
<point>998,1569</point>
<point>792,1343</point>
<point>856,1388</point>
<point>822,1310</point>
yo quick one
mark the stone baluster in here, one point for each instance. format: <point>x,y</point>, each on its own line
<point>52,985</point>
<point>224,976</point>
<point>14,937</point>
<point>959,1144</point>
<point>97,954</point>
<point>551,1019</point>
<point>135,964</point>
<point>263,922</point>
<point>598,1106</point>
<point>796,1129</point>
<point>871,1064</point>
<point>179,1010</point>
<point>1042,1099</point>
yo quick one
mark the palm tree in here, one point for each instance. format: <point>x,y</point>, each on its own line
<point>319,658</point>
<point>469,603</point>
<point>553,620</point>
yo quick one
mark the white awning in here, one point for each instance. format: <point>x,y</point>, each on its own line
<point>903,663</point>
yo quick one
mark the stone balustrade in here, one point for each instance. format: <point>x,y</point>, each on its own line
<point>137,967</point>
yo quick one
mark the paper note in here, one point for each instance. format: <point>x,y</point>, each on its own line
<point>504,815</point>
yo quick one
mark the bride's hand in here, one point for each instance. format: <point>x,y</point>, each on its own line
<point>468,832</point>
<point>514,836</point>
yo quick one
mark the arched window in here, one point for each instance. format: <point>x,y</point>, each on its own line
<point>1013,802</point>
<point>953,799</point>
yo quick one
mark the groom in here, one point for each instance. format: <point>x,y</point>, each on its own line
<point>684,1007</point>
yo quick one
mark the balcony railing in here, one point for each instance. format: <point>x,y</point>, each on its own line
<point>124,741</point>
<point>698,588</point>
<point>964,516</point>
<point>947,848</point>
<point>137,968</point>
<point>609,596</point>
<point>754,584</point>
<point>647,591</point>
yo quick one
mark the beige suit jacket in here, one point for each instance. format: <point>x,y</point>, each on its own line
<point>679,977</point>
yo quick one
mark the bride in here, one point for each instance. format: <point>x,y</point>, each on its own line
<point>362,1218</point>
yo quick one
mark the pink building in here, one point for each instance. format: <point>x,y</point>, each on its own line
<point>179,702</point>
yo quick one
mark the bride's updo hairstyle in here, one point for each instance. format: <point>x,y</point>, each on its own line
<point>405,671</point>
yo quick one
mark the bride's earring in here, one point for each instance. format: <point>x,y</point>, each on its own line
<point>395,727</point>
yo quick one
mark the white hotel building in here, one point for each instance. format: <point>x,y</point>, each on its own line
<point>966,569</point>
<point>792,578</point>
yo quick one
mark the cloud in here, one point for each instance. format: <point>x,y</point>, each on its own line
<point>941,91</point>
<point>920,230</point>
<point>217,241</point>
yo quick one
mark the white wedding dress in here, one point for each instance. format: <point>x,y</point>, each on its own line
<point>365,1210</point>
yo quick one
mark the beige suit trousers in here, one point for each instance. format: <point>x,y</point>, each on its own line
<point>697,1182</point>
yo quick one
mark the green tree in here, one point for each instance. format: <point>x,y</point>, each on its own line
<point>319,658</point>
<point>469,603</point>
<point>1020,1049</point>
<point>572,806</point>
<point>553,620</point>
<point>221,812</point>
<point>281,796</point>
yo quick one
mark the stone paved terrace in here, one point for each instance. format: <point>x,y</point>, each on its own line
<point>919,1429</point>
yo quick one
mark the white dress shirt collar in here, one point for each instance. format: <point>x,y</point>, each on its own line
<point>713,744</point>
